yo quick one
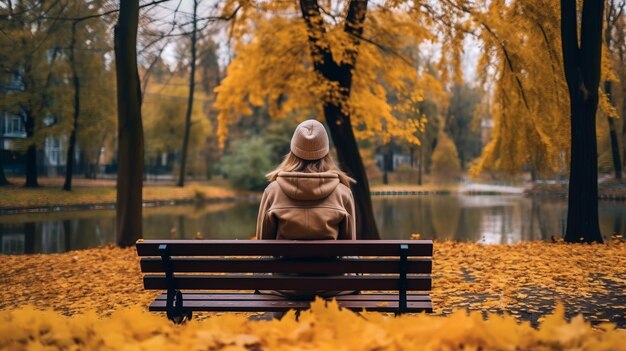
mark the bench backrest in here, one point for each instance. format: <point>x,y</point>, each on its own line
<point>297,265</point>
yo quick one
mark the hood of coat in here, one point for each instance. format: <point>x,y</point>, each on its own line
<point>307,186</point>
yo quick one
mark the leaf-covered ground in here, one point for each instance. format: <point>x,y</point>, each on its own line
<point>525,280</point>
<point>324,327</point>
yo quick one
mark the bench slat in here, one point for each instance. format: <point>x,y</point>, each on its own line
<point>285,305</point>
<point>280,247</point>
<point>269,297</point>
<point>269,282</point>
<point>270,265</point>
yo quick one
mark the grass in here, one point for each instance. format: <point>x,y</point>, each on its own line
<point>89,192</point>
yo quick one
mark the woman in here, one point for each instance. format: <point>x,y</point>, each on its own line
<point>308,197</point>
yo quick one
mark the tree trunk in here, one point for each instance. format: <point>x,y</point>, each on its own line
<point>624,131</point>
<point>617,161</point>
<point>582,73</point>
<point>385,176</point>
<point>385,151</point>
<point>192,84</point>
<point>71,150</point>
<point>582,215</point>
<point>29,123</point>
<point>337,118</point>
<point>31,154</point>
<point>130,131</point>
<point>3,178</point>
<point>349,158</point>
<point>420,165</point>
<point>96,166</point>
<point>387,162</point>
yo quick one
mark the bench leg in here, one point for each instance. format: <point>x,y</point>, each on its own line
<point>174,305</point>
<point>175,311</point>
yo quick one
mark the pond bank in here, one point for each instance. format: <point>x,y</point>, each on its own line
<point>460,188</point>
<point>607,190</point>
<point>101,194</point>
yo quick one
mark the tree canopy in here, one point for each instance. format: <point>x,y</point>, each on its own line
<point>272,66</point>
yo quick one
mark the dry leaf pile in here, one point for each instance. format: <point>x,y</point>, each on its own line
<point>525,279</point>
<point>321,328</point>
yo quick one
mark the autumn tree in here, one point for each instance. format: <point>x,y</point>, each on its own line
<point>613,13</point>
<point>429,140</point>
<point>581,63</point>
<point>529,51</point>
<point>86,57</point>
<point>192,86</point>
<point>521,50</point>
<point>130,130</point>
<point>620,55</point>
<point>339,73</point>
<point>461,122</point>
<point>98,116</point>
<point>446,162</point>
<point>32,43</point>
<point>209,77</point>
<point>339,63</point>
<point>165,101</point>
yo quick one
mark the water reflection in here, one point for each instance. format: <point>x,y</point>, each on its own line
<point>488,219</point>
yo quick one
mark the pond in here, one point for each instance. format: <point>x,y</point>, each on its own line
<point>474,218</point>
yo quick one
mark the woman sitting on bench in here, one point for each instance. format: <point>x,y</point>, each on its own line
<point>308,197</point>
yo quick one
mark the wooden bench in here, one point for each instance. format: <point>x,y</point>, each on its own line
<point>391,275</point>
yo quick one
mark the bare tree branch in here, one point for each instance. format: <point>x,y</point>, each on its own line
<point>104,14</point>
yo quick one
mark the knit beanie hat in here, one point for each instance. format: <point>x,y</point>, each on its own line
<point>310,141</point>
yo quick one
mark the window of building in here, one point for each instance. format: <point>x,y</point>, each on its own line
<point>13,126</point>
<point>54,151</point>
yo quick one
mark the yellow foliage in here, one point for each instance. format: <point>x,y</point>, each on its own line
<point>530,103</point>
<point>446,161</point>
<point>522,60</point>
<point>164,108</point>
<point>324,327</point>
<point>273,68</point>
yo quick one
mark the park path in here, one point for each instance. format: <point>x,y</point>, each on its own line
<point>490,188</point>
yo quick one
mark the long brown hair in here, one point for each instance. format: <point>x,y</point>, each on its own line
<point>293,163</point>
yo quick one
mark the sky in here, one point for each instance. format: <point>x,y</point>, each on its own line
<point>164,12</point>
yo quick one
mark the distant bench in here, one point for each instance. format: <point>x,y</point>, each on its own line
<point>391,275</point>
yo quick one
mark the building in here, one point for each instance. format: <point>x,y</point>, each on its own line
<point>51,158</point>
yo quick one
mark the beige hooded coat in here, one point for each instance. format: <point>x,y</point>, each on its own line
<point>306,206</point>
